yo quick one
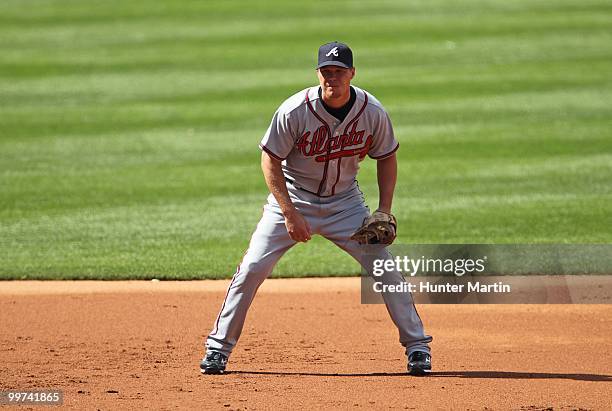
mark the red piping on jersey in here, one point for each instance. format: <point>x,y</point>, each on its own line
<point>267,150</point>
<point>386,155</point>
<point>328,145</point>
<point>365,103</point>
<point>337,177</point>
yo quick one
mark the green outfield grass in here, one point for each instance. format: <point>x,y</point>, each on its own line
<point>129,130</point>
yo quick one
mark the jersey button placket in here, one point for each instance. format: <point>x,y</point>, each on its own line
<point>332,171</point>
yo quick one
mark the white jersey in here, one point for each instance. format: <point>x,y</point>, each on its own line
<point>319,153</point>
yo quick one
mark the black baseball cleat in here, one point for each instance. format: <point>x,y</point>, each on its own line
<point>419,363</point>
<point>213,363</point>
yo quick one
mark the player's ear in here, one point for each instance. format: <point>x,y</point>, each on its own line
<point>352,72</point>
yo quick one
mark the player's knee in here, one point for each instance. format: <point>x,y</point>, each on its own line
<point>256,270</point>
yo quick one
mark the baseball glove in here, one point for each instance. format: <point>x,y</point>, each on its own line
<point>379,228</point>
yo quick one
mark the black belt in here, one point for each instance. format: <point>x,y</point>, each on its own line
<point>290,181</point>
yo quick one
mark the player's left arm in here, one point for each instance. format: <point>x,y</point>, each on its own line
<point>386,170</point>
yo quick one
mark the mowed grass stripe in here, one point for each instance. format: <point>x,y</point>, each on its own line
<point>129,131</point>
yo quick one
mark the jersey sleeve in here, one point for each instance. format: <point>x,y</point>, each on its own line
<point>278,140</point>
<point>385,143</point>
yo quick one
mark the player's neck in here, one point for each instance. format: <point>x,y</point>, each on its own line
<point>336,101</point>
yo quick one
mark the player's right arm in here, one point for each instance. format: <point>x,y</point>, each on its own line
<point>296,224</point>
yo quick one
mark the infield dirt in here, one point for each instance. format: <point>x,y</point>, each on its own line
<point>307,343</point>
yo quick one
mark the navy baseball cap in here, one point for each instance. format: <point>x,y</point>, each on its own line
<point>335,54</point>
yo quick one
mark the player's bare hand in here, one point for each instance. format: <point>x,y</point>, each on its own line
<point>297,226</point>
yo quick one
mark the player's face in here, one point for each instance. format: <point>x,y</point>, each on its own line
<point>335,80</point>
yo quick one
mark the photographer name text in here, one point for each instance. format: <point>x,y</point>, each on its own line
<point>428,287</point>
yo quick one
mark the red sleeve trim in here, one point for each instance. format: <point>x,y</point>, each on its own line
<point>386,155</point>
<point>267,150</point>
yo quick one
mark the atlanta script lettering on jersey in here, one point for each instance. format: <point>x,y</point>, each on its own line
<point>326,147</point>
<point>317,153</point>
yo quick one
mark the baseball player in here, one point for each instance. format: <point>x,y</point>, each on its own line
<point>310,158</point>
